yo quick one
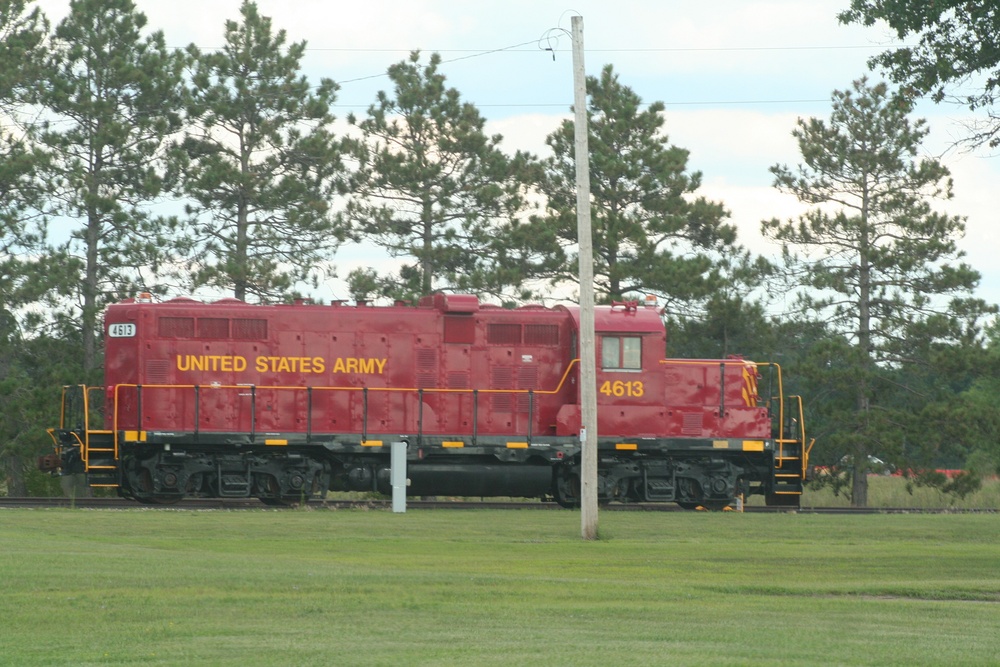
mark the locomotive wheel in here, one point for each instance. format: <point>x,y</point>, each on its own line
<point>568,490</point>
<point>145,495</point>
<point>573,503</point>
<point>568,503</point>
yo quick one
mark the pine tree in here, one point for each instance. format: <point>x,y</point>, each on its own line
<point>949,43</point>
<point>732,321</point>
<point>432,187</point>
<point>22,34</point>
<point>878,263</point>
<point>263,167</point>
<point>650,235</point>
<point>22,225</point>
<point>113,97</point>
<point>27,271</point>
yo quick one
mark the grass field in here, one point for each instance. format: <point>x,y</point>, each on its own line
<point>888,491</point>
<point>897,492</point>
<point>352,587</point>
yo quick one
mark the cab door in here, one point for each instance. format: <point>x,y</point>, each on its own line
<point>625,404</point>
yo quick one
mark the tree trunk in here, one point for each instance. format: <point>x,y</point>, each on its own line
<point>427,265</point>
<point>859,484</point>
<point>14,469</point>
<point>89,318</point>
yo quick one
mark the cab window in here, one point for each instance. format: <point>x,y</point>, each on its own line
<point>621,353</point>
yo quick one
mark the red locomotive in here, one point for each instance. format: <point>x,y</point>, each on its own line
<point>282,402</point>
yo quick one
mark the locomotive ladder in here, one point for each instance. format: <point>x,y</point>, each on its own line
<point>98,448</point>
<point>100,459</point>
<point>791,459</point>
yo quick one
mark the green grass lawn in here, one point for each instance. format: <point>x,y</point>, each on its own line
<point>483,587</point>
<point>889,491</point>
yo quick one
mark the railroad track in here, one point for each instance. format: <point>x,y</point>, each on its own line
<point>254,504</point>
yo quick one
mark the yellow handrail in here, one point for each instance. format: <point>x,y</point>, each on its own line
<point>118,387</point>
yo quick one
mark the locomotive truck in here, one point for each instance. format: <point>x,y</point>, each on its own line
<point>286,402</point>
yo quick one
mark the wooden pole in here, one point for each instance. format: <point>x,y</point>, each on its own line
<point>588,364</point>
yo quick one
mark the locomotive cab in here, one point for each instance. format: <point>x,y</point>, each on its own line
<point>691,431</point>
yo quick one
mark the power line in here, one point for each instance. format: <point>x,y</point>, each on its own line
<point>566,105</point>
<point>539,47</point>
<point>474,54</point>
<point>516,49</point>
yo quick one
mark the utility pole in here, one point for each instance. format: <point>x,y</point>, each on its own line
<point>588,363</point>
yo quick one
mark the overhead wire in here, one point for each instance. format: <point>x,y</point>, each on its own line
<point>548,42</point>
<point>474,54</point>
<point>550,37</point>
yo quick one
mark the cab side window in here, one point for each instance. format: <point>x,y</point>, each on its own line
<point>621,353</point>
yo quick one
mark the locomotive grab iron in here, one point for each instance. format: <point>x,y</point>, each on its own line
<point>286,402</point>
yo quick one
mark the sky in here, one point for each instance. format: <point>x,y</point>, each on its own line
<point>734,75</point>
